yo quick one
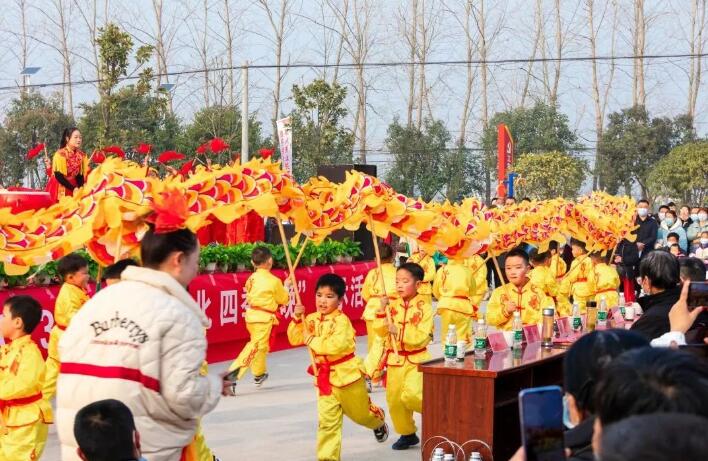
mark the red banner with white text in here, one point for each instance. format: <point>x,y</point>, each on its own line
<point>223,300</point>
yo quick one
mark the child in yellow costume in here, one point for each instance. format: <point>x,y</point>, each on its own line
<point>264,293</point>
<point>340,384</point>
<point>607,280</point>
<point>517,295</point>
<point>412,328</point>
<point>424,260</point>
<point>579,282</point>
<point>73,270</point>
<point>542,277</point>
<point>454,288</point>
<point>478,266</point>
<point>371,291</point>
<point>558,266</point>
<point>24,414</point>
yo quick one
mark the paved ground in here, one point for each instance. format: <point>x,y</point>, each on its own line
<point>281,418</point>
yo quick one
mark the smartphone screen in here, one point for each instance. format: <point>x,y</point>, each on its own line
<point>541,415</point>
<point>697,294</point>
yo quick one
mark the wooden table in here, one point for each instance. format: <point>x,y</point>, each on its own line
<point>478,398</point>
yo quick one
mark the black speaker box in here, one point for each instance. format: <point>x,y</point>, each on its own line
<point>337,173</point>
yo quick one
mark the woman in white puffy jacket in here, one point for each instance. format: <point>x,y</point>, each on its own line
<point>141,341</point>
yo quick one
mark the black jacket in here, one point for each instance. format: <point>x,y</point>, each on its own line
<point>579,440</point>
<point>655,320</point>
<point>647,232</point>
<point>630,259</point>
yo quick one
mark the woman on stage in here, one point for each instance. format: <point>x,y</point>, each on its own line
<point>70,165</point>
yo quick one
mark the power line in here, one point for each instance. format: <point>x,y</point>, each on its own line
<point>477,62</point>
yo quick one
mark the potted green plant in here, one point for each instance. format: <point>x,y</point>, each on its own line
<point>352,249</point>
<point>222,257</point>
<point>207,259</point>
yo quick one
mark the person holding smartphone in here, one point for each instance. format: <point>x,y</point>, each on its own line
<point>582,367</point>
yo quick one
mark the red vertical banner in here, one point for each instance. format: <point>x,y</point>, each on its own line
<point>505,151</point>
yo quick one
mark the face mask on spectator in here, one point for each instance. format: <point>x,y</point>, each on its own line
<point>694,216</point>
<point>642,212</point>
<point>702,217</point>
<point>669,222</point>
<point>662,216</point>
<point>704,241</point>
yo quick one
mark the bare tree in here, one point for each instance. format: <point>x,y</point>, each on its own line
<point>470,74</point>
<point>277,24</point>
<point>559,54</point>
<point>538,32</point>
<point>409,28</point>
<point>228,20</point>
<point>204,52</point>
<point>22,5</point>
<point>600,101</point>
<point>698,22</point>
<point>89,14</point>
<point>639,45</point>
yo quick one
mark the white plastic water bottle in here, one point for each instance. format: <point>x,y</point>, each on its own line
<point>602,314</point>
<point>518,328</point>
<point>450,352</point>
<point>475,456</point>
<point>480,339</point>
<point>449,457</point>
<point>438,454</point>
<point>577,320</point>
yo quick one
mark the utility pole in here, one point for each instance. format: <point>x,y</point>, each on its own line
<point>244,114</point>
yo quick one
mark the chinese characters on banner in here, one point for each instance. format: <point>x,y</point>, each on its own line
<point>223,300</point>
<point>285,142</point>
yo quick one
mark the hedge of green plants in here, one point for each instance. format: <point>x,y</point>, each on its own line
<point>213,257</point>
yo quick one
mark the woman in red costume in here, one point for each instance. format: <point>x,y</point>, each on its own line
<point>69,165</point>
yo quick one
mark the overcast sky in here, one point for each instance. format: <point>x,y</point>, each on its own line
<point>666,79</point>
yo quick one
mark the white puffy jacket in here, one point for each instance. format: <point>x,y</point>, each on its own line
<point>140,341</point>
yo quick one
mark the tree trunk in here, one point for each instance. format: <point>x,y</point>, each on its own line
<point>639,94</point>
<point>464,119</point>
<point>595,94</point>
<point>204,52</point>
<point>538,26</point>
<point>412,37</point>
<point>66,56</point>
<point>482,46</point>
<point>698,16</point>
<point>559,55</point>
<point>229,51</point>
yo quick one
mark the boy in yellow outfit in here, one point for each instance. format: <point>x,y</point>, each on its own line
<point>412,328</point>
<point>340,385</point>
<point>579,282</point>
<point>73,270</point>
<point>264,293</point>
<point>478,266</point>
<point>24,414</point>
<point>607,280</point>
<point>454,288</point>
<point>542,276</point>
<point>558,266</point>
<point>517,295</point>
<point>372,294</point>
<point>424,260</point>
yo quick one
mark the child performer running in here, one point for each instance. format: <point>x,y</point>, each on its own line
<point>24,415</point>
<point>412,328</point>
<point>340,385</point>
<point>73,270</point>
<point>264,294</point>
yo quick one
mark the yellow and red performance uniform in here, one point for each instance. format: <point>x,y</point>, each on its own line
<point>69,301</point>
<point>607,283</point>
<point>340,385</point>
<point>404,383</point>
<point>24,414</point>
<point>558,267</point>
<point>478,266</point>
<point>372,293</point>
<point>264,293</point>
<point>198,450</point>
<point>528,300</point>
<point>454,288</point>
<point>579,282</point>
<point>543,278</point>
<point>70,163</point>
<point>426,287</point>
